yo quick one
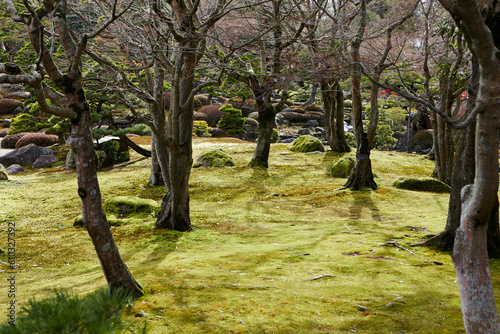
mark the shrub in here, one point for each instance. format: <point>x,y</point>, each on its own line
<point>140,129</point>
<point>39,139</point>
<point>422,141</point>
<point>215,158</point>
<point>421,184</point>
<point>232,121</point>
<point>213,112</point>
<point>99,312</point>
<point>10,141</point>
<point>200,129</point>
<point>22,123</point>
<point>113,152</point>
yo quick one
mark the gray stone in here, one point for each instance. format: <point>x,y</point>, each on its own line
<point>70,160</point>
<point>14,169</point>
<point>304,132</point>
<point>25,155</point>
<point>3,173</point>
<point>44,161</point>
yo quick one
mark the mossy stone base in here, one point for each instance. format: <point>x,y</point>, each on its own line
<point>306,144</point>
<point>342,168</point>
<point>421,184</point>
<point>215,158</point>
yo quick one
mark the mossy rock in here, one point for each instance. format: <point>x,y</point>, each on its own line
<point>127,205</point>
<point>421,184</point>
<point>111,219</point>
<point>342,168</point>
<point>306,143</point>
<point>215,158</point>
<point>3,173</point>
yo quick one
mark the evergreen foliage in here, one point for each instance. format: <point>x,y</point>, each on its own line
<point>232,121</point>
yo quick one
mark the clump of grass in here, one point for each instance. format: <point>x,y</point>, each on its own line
<point>99,312</point>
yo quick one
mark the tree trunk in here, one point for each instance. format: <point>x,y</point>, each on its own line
<point>174,212</point>
<point>155,178</point>
<point>334,117</point>
<point>362,176</point>
<point>267,121</point>
<point>94,218</point>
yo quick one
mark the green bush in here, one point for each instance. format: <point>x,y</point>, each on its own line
<point>25,123</point>
<point>200,129</point>
<point>232,121</point>
<point>112,150</point>
<point>98,313</point>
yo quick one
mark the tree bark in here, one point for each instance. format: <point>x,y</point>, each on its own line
<point>94,218</point>
<point>174,212</point>
<point>470,255</point>
<point>267,114</point>
<point>362,176</point>
<point>334,117</point>
<point>155,178</point>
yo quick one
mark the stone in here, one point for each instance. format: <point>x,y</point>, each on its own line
<point>421,184</point>
<point>26,155</point>
<point>304,131</point>
<point>3,173</point>
<point>312,123</point>
<point>44,161</point>
<point>70,160</point>
<point>15,169</point>
<point>215,158</point>
<point>306,144</point>
<point>342,168</point>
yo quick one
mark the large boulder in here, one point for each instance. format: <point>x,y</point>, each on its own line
<point>306,144</point>
<point>3,173</point>
<point>14,169</point>
<point>44,161</point>
<point>26,155</point>
<point>39,139</point>
<point>342,168</point>
<point>215,158</point>
<point>421,184</point>
<point>293,117</point>
<point>10,106</point>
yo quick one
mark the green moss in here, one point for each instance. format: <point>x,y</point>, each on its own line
<point>306,144</point>
<point>342,168</point>
<point>4,175</point>
<point>215,158</point>
<point>421,184</point>
<point>127,205</point>
<point>276,136</point>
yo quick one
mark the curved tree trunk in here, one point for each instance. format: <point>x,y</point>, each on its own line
<point>334,117</point>
<point>94,218</point>
<point>362,176</point>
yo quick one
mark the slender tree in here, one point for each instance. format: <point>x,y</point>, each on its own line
<point>69,94</point>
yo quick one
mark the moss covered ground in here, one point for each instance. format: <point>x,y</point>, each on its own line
<point>283,250</point>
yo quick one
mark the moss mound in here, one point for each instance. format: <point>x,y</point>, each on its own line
<point>127,205</point>
<point>215,158</point>
<point>3,173</point>
<point>342,168</point>
<point>421,184</point>
<point>306,144</point>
